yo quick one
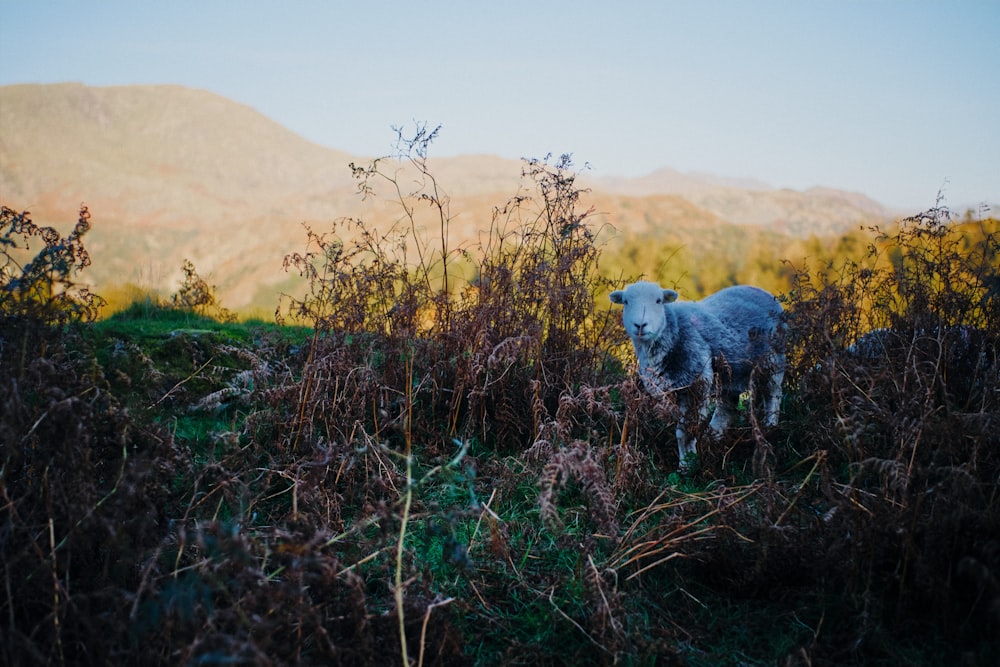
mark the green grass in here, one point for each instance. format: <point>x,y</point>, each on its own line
<point>149,318</point>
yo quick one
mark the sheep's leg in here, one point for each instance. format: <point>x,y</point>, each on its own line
<point>725,411</point>
<point>687,428</point>
<point>687,446</point>
<point>773,403</point>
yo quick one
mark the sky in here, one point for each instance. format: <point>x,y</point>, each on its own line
<point>897,99</point>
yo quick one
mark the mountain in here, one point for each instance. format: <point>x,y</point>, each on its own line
<point>170,173</point>
<point>152,152</point>
<point>672,181</point>
<point>821,211</point>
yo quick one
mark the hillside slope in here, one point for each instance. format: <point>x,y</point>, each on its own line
<point>149,153</point>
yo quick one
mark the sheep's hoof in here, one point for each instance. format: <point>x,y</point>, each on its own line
<point>689,464</point>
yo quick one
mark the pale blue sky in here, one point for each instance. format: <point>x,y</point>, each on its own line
<point>895,99</point>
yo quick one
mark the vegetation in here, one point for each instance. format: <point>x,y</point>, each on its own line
<point>447,460</point>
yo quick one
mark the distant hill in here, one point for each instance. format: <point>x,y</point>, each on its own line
<point>671,181</point>
<point>820,211</point>
<point>152,152</point>
<point>171,173</point>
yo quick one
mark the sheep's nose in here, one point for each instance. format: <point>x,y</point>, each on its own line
<point>640,327</point>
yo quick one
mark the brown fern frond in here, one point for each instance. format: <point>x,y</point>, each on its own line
<point>578,462</point>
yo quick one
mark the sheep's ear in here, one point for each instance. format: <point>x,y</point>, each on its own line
<point>669,296</point>
<point>617,296</point>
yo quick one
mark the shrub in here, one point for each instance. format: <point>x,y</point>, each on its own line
<point>85,490</point>
<point>42,289</point>
<point>479,355</point>
<point>198,296</point>
<point>898,389</point>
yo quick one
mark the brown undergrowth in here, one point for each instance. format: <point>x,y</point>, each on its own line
<point>453,463</point>
<point>899,382</point>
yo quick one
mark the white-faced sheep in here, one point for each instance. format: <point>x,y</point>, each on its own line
<point>717,347</point>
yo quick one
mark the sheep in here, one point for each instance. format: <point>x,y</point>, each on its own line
<point>728,341</point>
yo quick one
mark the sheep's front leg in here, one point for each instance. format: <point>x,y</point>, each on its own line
<point>773,403</point>
<point>691,419</point>
<point>687,446</point>
<point>725,411</point>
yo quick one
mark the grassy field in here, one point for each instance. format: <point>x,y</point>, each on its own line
<point>406,470</point>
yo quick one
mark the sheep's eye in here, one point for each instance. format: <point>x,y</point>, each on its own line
<point>659,301</point>
<point>624,302</point>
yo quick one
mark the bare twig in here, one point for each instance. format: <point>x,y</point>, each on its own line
<point>423,629</point>
<point>178,385</point>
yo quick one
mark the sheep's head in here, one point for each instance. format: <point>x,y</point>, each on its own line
<point>643,314</point>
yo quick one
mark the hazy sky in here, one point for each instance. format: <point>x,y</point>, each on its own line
<point>896,99</point>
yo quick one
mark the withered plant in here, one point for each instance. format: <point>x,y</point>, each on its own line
<point>898,388</point>
<point>409,356</point>
<point>199,296</point>
<point>525,327</point>
<point>41,287</point>
<point>82,498</point>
